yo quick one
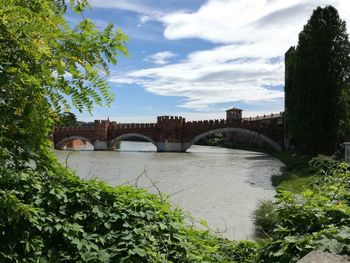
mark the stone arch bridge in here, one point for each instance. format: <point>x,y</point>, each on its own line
<point>170,133</point>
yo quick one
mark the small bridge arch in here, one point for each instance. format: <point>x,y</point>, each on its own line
<point>269,141</point>
<point>113,142</point>
<point>64,141</point>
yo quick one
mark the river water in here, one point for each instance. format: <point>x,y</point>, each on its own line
<point>221,186</point>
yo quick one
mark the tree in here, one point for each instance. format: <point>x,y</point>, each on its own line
<point>318,83</point>
<point>44,61</point>
<point>67,119</point>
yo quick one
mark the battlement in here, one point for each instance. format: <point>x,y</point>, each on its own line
<point>206,123</point>
<point>170,118</point>
<point>265,117</point>
<point>114,126</point>
<point>101,122</point>
<point>72,129</point>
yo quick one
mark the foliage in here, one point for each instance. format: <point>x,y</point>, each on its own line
<point>265,216</point>
<point>301,171</point>
<point>324,164</point>
<point>212,140</point>
<point>44,62</point>
<point>48,216</point>
<point>317,218</point>
<point>293,160</point>
<point>318,84</point>
<point>296,175</point>
<point>66,119</point>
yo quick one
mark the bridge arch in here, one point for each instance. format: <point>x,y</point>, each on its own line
<point>112,143</point>
<point>62,142</point>
<point>269,141</point>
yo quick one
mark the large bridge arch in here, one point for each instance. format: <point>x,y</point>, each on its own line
<point>59,145</point>
<point>112,143</point>
<point>269,141</point>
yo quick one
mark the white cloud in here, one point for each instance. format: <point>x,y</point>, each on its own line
<point>147,12</point>
<point>251,37</point>
<point>133,6</point>
<point>245,21</point>
<point>205,79</point>
<point>160,58</point>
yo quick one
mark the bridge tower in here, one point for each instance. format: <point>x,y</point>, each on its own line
<point>233,114</point>
<point>101,134</point>
<point>169,133</point>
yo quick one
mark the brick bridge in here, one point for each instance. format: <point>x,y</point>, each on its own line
<point>172,134</point>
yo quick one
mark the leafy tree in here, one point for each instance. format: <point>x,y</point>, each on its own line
<point>317,83</point>
<point>67,119</point>
<point>43,61</point>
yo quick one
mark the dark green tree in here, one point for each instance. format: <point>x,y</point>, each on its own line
<point>67,119</point>
<point>317,83</point>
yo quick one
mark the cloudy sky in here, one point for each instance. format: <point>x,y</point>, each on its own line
<point>196,58</point>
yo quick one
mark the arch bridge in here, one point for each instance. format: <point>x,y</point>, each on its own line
<point>172,133</point>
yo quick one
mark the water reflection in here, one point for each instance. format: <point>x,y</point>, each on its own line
<point>128,146</point>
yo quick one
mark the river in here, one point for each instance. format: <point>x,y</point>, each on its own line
<point>221,186</point>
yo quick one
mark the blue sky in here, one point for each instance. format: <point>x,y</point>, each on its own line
<point>196,58</point>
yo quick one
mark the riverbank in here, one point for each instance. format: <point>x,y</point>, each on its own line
<point>297,173</point>
<point>311,211</point>
<point>247,147</point>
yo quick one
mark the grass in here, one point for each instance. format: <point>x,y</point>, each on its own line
<point>297,175</point>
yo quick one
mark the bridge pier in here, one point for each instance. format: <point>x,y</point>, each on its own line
<point>170,147</point>
<point>100,146</point>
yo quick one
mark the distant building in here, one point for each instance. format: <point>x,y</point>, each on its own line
<point>234,114</point>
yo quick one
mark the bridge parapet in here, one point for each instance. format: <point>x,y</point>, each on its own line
<point>205,123</point>
<point>247,120</point>
<point>215,122</point>
<point>264,117</point>
<point>132,126</point>
<point>101,122</point>
<point>178,119</point>
<point>72,129</point>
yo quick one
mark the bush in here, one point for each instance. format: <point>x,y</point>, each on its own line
<point>265,216</point>
<point>323,163</point>
<point>317,218</point>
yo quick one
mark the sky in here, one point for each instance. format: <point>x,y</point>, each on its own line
<point>197,58</point>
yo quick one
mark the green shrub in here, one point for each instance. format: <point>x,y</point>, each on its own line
<point>317,218</point>
<point>265,216</point>
<point>324,163</point>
